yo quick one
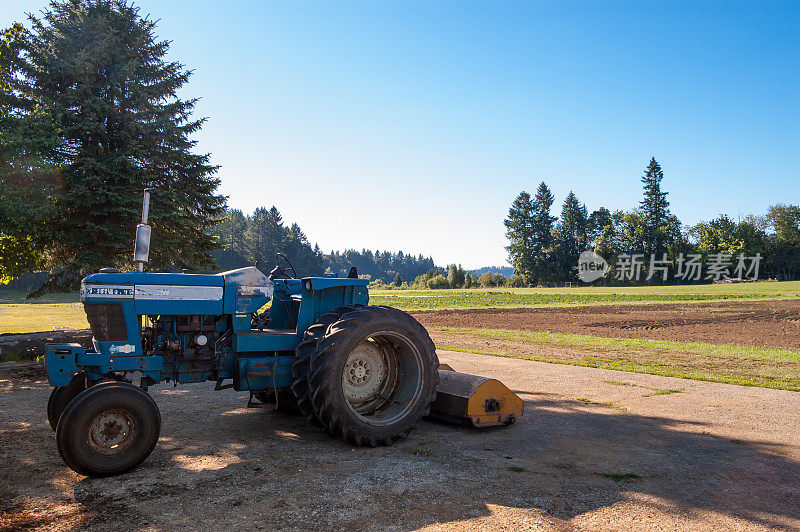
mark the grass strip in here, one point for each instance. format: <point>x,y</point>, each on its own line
<point>732,364</point>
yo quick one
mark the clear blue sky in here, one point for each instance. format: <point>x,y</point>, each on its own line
<point>413,125</point>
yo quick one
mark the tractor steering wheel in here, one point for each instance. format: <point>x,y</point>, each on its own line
<point>283,271</point>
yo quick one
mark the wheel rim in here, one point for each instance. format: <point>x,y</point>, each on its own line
<point>382,378</point>
<point>112,432</point>
<point>365,374</point>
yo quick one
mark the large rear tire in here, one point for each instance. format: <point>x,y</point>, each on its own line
<point>107,430</point>
<point>302,363</point>
<point>61,396</point>
<point>373,376</point>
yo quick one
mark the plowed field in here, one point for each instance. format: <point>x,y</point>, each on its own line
<point>751,323</point>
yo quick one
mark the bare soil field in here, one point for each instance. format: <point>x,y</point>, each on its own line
<point>595,450</point>
<point>752,323</point>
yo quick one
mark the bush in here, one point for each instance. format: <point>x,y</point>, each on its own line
<point>470,281</point>
<point>438,282</point>
<point>486,280</point>
<point>377,284</point>
<point>515,281</point>
<point>419,283</point>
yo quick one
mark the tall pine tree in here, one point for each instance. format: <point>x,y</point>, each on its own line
<point>456,276</point>
<point>571,235</point>
<point>265,236</point>
<point>655,209</point>
<point>98,72</point>
<point>520,233</point>
<point>542,241</point>
<point>26,180</point>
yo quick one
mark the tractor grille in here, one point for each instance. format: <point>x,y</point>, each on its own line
<point>107,321</point>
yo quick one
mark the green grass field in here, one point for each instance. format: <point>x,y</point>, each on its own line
<point>555,297</point>
<point>19,315</point>
<point>18,318</point>
<point>15,296</point>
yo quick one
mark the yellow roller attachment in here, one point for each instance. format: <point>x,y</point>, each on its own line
<point>479,401</point>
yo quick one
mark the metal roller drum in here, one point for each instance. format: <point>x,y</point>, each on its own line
<point>474,400</point>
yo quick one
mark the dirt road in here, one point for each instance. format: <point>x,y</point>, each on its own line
<point>596,449</point>
<point>753,323</point>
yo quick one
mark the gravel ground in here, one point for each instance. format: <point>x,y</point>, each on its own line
<point>596,449</point>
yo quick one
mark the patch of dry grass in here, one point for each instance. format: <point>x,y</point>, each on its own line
<point>18,318</point>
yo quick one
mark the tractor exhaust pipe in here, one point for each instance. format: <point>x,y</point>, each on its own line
<point>141,247</point>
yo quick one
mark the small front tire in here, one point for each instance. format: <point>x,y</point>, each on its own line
<point>107,430</point>
<point>61,396</point>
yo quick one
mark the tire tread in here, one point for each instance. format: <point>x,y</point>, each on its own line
<point>324,375</point>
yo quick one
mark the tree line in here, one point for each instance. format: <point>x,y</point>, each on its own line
<point>453,276</point>
<point>245,240</point>
<point>544,249</point>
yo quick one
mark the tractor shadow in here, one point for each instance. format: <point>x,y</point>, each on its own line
<point>561,460</point>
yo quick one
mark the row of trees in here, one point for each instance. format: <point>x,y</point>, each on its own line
<point>544,249</point>
<point>389,267</point>
<point>249,239</point>
<point>454,276</point>
<point>255,239</point>
<point>775,236</point>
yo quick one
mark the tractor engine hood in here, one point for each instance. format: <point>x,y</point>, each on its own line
<point>181,293</point>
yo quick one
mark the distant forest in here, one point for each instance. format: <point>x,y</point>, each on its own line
<point>256,238</point>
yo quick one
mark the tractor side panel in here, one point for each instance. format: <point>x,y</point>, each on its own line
<point>262,373</point>
<point>322,295</point>
<point>60,362</point>
<point>178,300</point>
<point>63,361</point>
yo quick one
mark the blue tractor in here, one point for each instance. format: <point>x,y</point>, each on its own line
<point>366,373</point>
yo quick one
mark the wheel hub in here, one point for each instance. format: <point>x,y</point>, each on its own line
<point>364,373</point>
<point>111,432</point>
